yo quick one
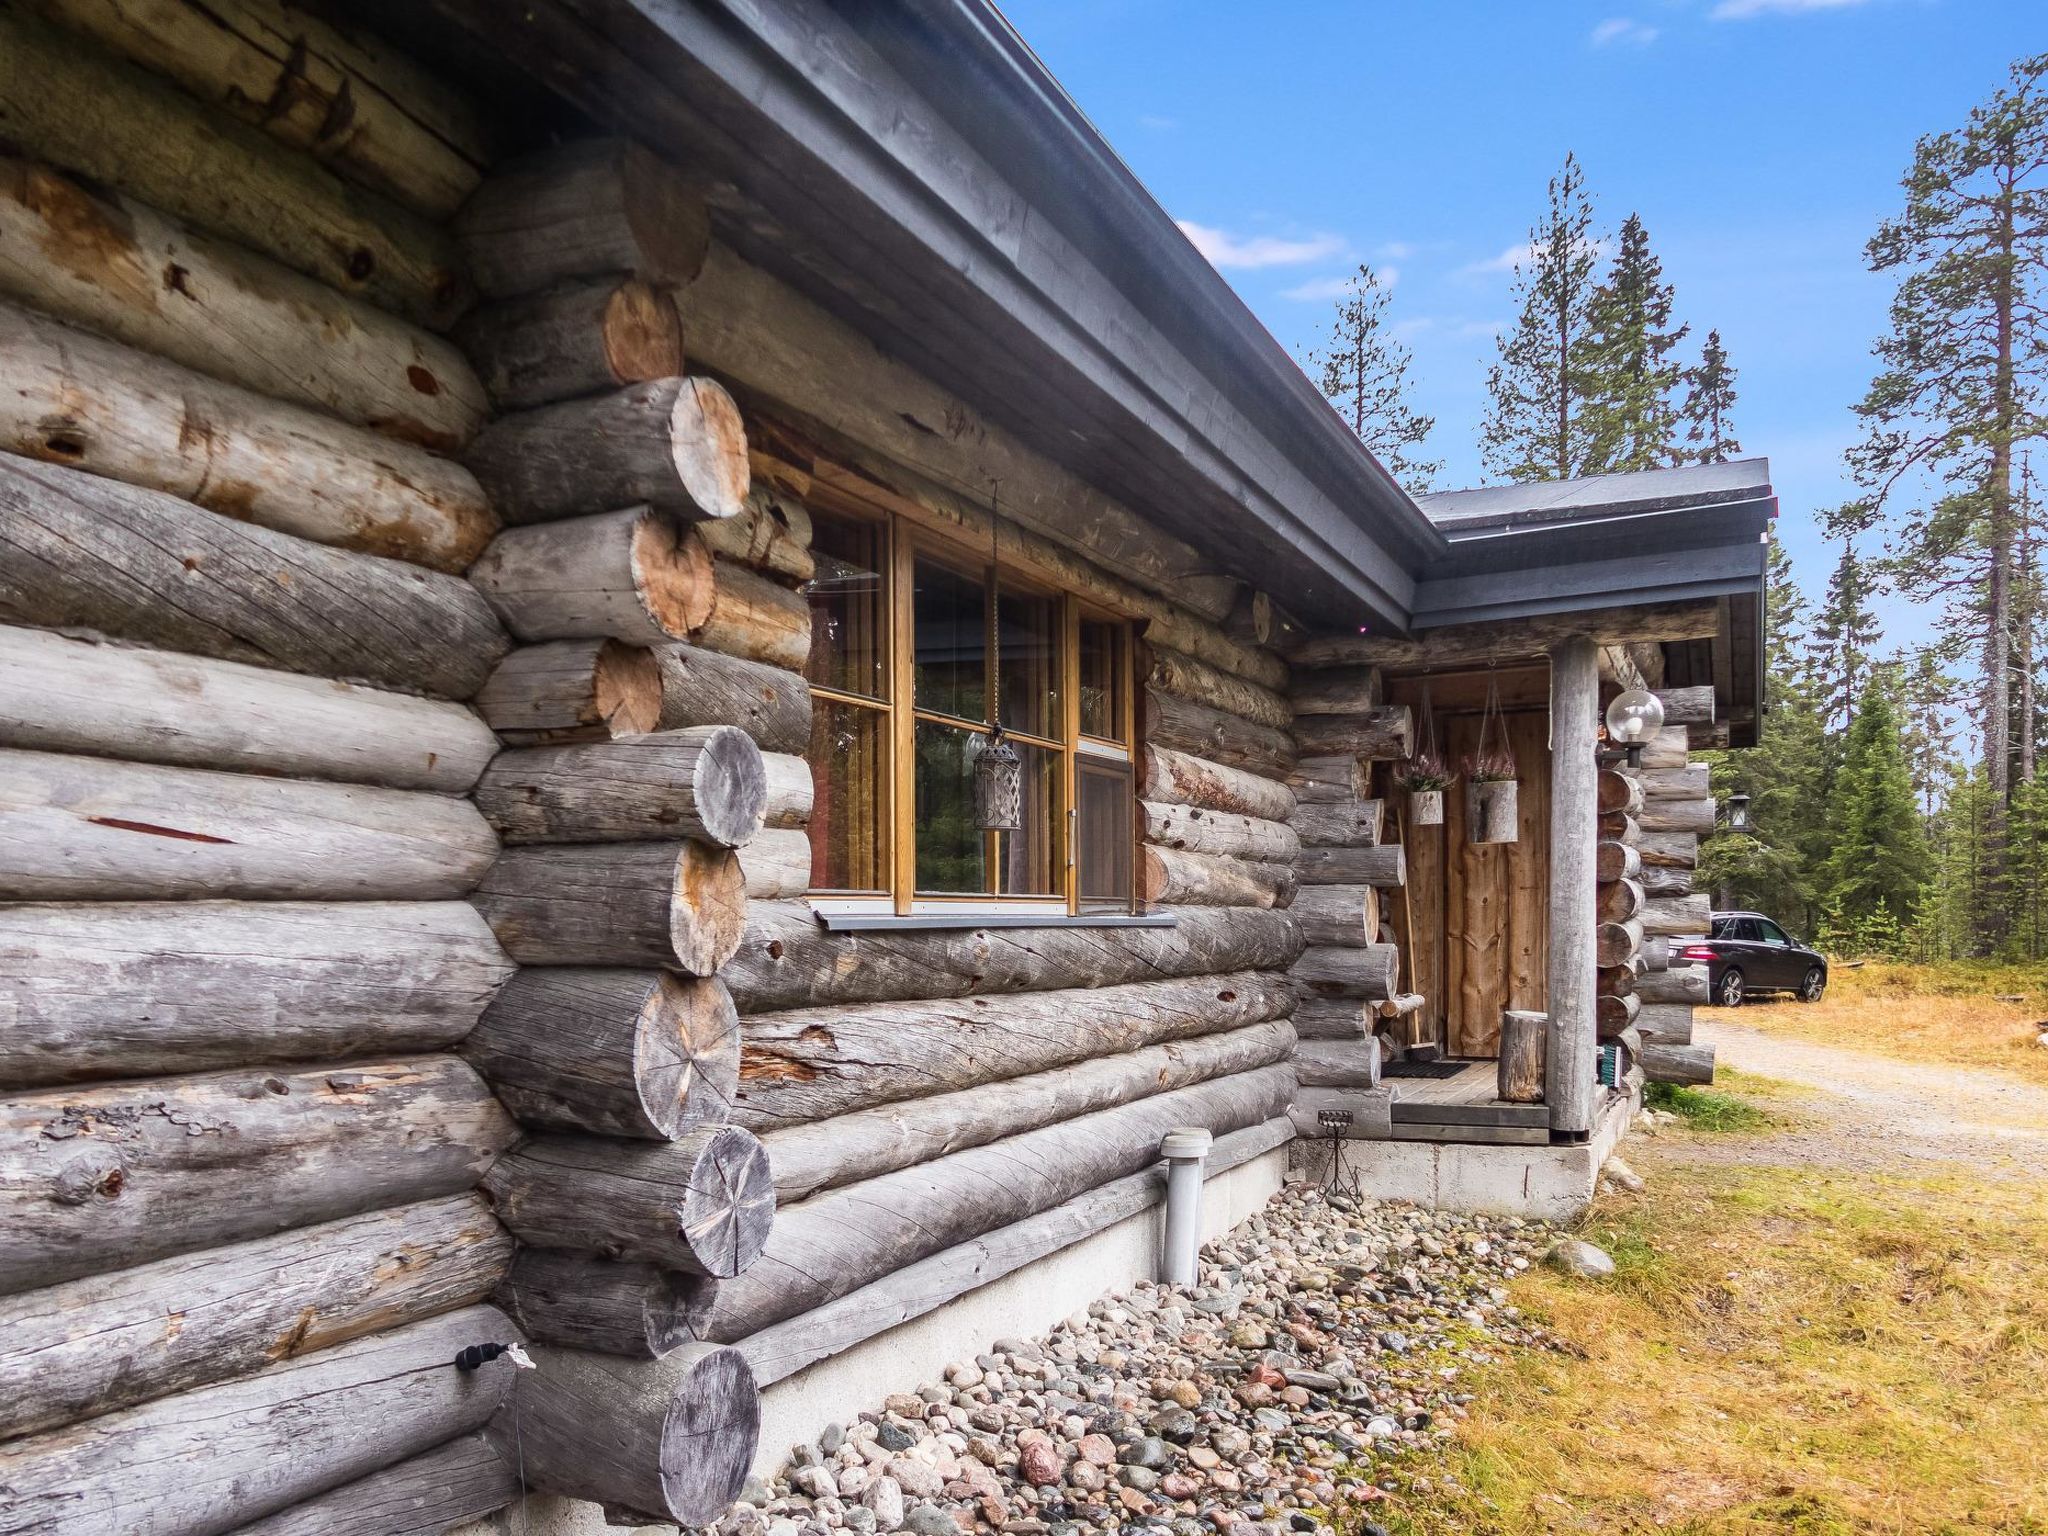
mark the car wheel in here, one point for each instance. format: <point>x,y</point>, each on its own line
<point>1729,991</point>
<point>1812,985</point>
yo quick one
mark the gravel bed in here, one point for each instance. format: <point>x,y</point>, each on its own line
<point>1324,1343</point>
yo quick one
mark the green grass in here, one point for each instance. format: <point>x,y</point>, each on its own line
<point>1706,1109</point>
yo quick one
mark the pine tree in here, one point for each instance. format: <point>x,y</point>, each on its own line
<point>1630,411</point>
<point>1927,702</point>
<point>1878,863</point>
<point>1535,426</point>
<point>1364,373</point>
<point>1709,407</point>
<point>1843,633</point>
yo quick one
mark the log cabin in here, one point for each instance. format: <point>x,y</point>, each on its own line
<point>672,677</point>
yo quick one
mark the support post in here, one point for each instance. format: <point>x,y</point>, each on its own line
<point>1574,851</point>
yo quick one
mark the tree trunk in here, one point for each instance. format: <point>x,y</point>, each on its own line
<point>1370,973</point>
<point>1384,865</point>
<point>755,618</point>
<point>1358,824</point>
<point>1339,778</point>
<point>1168,877</point>
<point>679,904</point>
<point>1194,830</point>
<point>99,1178</point>
<point>706,782</point>
<point>438,1490</point>
<point>80,552</point>
<point>702,1205</point>
<point>106,989</point>
<point>628,575</point>
<point>1338,914</point>
<point>1196,681</point>
<point>1176,778</point>
<point>1337,691</point>
<point>643,1054</point>
<point>1522,1041</point>
<point>770,532</point>
<point>588,337</point>
<point>1376,734</point>
<point>78,400</point>
<point>777,864</point>
<point>1210,733</point>
<point>676,445</point>
<point>636,1310</point>
<point>706,688</point>
<point>83,828</point>
<point>573,690</point>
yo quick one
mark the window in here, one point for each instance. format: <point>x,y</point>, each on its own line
<point>917,645</point>
<point>1771,932</point>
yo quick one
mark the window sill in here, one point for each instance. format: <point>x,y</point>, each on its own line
<point>914,922</point>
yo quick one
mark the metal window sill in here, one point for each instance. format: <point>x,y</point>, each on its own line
<point>914,922</point>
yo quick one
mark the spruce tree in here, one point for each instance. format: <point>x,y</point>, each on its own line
<point>1364,373</point>
<point>1630,412</point>
<point>1535,426</point>
<point>1709,407</point>
<point>1878,863</point>
<point>1843,633</point>
<point>1927,703</point>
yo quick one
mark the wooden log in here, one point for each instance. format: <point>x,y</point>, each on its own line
<point>788,960</point>
<point>1695,816</point>
<point>459,1481</point>
<point>587,337</point>
<point>630,575</point>
<point>1360,823</point>
<point>637,1310</point>
<point>789,790</point>
<point>1668,1023</point>
<point>1338,1063</point>
<point>1169,877</point>
<point>1331,1018</point>
<point>79,400</point>
<point>582,208</point>
<point>1493,641</point>
<point>706,688</point>
<point>702,1205</point>
<point>1195,680</point>
<point>254,1446</point>
<point>1614,1014</point>
<point>1667,882</point>
<point>1689,1065</point>
<point>1380,734</point>
<point>84,828</point>
<point>1576,938</point>
<point>572,690</point>
<point>94,1345</point>
<point>667,1440</point>
<point>676,445</point>
<point>1620,900</point>
<point>1383,864</point>
<point>101,260</point>
<point>1212,734</point>
<point>1670,850</point>
<point>1687,706</point>
<point>103,1177</point>
<point>114,990</point>
<point>1195,830</point>
<point>1522,1041</point>
<point>1337,778</point>
<point>1370,973</point>
<point>81,552</point>
<point>776,864</point>
<point>676,904</point>
<point>1254,618</point>
<point>1618,861</point>
<point>1678,916</point>
<point>1657,953</point>
<point>1619,827</point>
<point>809,1065</point>
<point>831,1244</point>
<point>1620,980</point>
<point>1689,782</point>
<point>1337,691</point>
<point>1492,811</point>
<point>1676,984</point>
<point>825,1154</point>
<point>771,532</point>
<point>644,1054</point>
<point>1337,914</point>
<point>1620,792</point>
<point>1615,942</point>
<point>1177,778</point>
<point>754,617</point>
<point>365,112</point>
<point>1667,749</point>
<point>1400,1005</point>
<point>705,782</point>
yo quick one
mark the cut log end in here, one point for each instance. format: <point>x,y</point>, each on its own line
<point>709,1436</point>
<point>710,447</point>
<point>643,337</point>
<point>725,1216</point>
<point>673,571</point>
<point>732,786</point>
<point>626,689</point>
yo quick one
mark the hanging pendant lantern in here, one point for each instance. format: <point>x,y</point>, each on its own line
<point>998,786</point>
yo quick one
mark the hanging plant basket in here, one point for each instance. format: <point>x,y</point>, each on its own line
<point>1491,810</point>
<point>1425,807</point>
<point>1424,775</point>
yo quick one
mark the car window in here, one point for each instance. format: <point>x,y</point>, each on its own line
<point>1772,933</point>
<point>1720,929</point>
<point>1745,930</point>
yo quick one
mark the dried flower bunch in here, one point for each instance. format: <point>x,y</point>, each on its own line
<point>1422,773</point>
<point>1492,766</point>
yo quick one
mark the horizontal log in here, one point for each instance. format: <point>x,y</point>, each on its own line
<point>771,532</point>
<point>700,687</point>
<point>1384,733</point>
<point>637,1310</point>
<point>1219,737</point>
<point>1620,792</point>
<point>1689,1065</point>
<point>1667,749</point>
<point>1670,850</point>
<point>912,1290</point>
<point>1687,783</point>
<point>1338,914</point>
<point>1337,691</point>
<point>813,1064</point>
<point>103,1177</point>
<point>1382,864</point>
<point>1338,1063</point>
<point>105,1342</point>
<point>1400,1005</point>
<point>1618,861</point>
<point>586,207</point>
<point>776,864</point>
<point>702,1205</point>
<point>1620,827</point>
<point>1695,816</point>
<point>827,1246</point>
<point>79,252</point>
<point>1677,916</point>
<point>755,617</point>
<point>108,989</point>
<point>676,445</point>
<point>1620,900</point>
<point>588,337</point>
<point>1667,1023</point>
<point>85,828</point>
<point>1494,641</point>
<point>461,1480</point>
<point>1332,1018</point>
<point>705,782</point>
<point>1688,706</point>
<point>1667,882</point>
<point>1620,980</point>
<point>77,551</point>
<point>790,790</point>
<point>788,960</point>
<point>1360,823</point>
<point>1177,778</point>
<point>1615,1014</point>
<point>573,690</point>
<point>1169,877</point>
<point>1657,953</point>
<point>217,1458</point>
<point>1195,830</point>
<point>643,1054</point>
<point>1614,943</point>
<point>680,904</point>
<point>64,694</point>
<point>1675,984</point>
<point>1338,778</point>
<point>1370,973</point>
<point>82,401</point>
<point>631,575</point>
<point>1195,680</point>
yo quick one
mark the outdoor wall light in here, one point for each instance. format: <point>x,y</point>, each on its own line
<point>1633,720</point>
<point>1738,813</point>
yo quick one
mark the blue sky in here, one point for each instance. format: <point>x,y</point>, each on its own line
<point>1760,140</point>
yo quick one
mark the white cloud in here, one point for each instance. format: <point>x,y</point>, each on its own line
<point>1338,287</point>
<point>1394,250</point>
<point>1622,29</point>
<point>1746,10</point>
<point>1157,123</point>
<point>1520,256</point>
<point>1227,250</point>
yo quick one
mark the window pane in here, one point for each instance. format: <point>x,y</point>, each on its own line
<point>1105,834</point>
<point>1029,662</point>
<point>951,849</point>
<point>849,771</point>
<point>849,625</point>
<point>1102,679</point>
<point>950,614</point>
<point>1033,857</point>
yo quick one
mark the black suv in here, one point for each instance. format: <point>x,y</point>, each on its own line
<point>1747,953</point>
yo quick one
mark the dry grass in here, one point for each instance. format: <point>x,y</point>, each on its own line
<point>1920,1013</point>
<point>1782,1350</point>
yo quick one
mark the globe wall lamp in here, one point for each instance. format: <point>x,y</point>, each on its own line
<point>1633,721</point>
